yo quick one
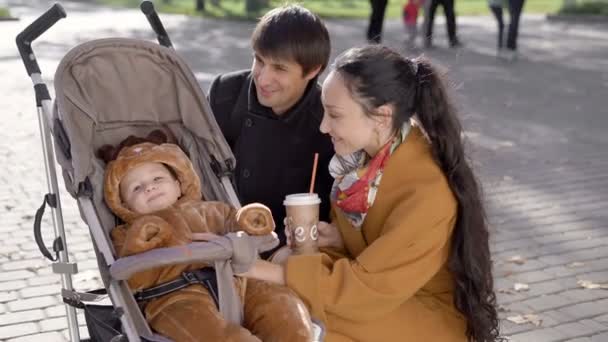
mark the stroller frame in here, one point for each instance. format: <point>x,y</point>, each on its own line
<point>55,142</point>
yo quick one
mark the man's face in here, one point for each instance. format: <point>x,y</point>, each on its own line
<point>149,187</point>
<point>279,83</point>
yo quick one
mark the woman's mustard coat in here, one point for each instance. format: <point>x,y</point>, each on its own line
<point>391,283</point>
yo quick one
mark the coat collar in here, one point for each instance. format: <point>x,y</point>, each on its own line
<point>311,93</point>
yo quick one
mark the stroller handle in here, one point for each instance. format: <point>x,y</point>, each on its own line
<point>147,8</point>
<point>33,31</point>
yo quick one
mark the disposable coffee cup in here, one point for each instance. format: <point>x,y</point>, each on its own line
<point>302,219</point>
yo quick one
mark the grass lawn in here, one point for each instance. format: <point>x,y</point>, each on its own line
<point>4,13</point>
<point>328,8</point>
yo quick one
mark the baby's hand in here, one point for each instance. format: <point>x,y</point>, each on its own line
<point>255,219</point>
<point>146,233</point>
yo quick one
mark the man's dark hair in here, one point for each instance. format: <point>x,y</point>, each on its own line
<point>294,33</point>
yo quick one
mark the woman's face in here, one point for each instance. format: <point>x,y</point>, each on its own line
<point>344,119</point>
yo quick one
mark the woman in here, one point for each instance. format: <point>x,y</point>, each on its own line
<point>406,257</point>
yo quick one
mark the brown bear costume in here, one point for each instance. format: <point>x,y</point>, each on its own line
<point>271,312</point>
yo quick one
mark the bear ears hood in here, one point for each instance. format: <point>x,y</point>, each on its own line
<point>130,157</point>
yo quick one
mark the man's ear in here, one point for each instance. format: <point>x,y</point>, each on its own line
<point>314,72</point>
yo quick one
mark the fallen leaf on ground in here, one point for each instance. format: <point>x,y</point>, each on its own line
<point>527,318</point>
<point>588,284</point>
<point>501,308</point>
<point>517,259</point>
<point>521,287</point>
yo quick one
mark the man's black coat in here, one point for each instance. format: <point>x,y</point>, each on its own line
<point>274,154</point>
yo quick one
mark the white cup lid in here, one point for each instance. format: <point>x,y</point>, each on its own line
<point>302,199</point>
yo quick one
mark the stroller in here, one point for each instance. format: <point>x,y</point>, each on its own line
<point>95,84</point>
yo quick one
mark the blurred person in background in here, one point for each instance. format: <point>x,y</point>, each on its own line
<point>410,20</point>
<point>515,8</point>
<point>376,21</point>
<point>450,17</point>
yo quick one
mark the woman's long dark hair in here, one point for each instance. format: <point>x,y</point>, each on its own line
<point>375,76</point>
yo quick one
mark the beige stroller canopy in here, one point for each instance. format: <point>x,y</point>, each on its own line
<point>107,89</point>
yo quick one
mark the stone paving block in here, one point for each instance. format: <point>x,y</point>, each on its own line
<point>88,265</point>
<point>573,245</point>
<point>594,325</point>
<point>33,254</point>
<point>531,277</point>
<point>590,254</point>
<point>587,309</point>
<point>82,331</point>
<point>543,303</point>
<point>54,324</point>
<point>529,265</point>
<point>23,264</point>
<point>600,277</point>
<point>509,328</point>
<point>2,308</point>
<point>16,330</point>
<point>575,329</point>
<point>44,271</point>
<point>53,336</point>
<point>55,311</point>
<point>8,296</point>
<point>44,280</point>
<point>15,275</point>
<point>32,303</point>
<point>585,295</point>
<point>28,245</point>
<point>7,249</point>
<point>603,318</point>
<point>12,285</point>
<point>559,316</point>
<point>538,335</point>
<point>36,291</point>
<point>518,308</point>
<point>603,337</point>
<point>551,286</point>
<point>21,317</point>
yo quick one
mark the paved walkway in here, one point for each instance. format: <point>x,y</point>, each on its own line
<point>535,127</point>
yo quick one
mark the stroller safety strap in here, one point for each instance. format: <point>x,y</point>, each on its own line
<point>204,276</point>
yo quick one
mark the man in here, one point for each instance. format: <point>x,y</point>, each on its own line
<point>270,115</point>
<point>450,21</point>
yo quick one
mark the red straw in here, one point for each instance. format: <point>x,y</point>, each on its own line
<point>314,173</point>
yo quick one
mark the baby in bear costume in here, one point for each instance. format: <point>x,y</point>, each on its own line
<point>154,189</point>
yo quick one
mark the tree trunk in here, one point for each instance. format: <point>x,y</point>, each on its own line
<point>254,6</point>
<point>200,5</point>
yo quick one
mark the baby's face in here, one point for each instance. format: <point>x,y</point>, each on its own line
<point>149,187</point>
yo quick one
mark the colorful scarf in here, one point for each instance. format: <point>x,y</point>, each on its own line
<point>357,178</point>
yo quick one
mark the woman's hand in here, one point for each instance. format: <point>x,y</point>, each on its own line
<point>266,271</point>
<point>329,235</point>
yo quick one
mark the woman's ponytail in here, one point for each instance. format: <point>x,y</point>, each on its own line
<point>470,259</point>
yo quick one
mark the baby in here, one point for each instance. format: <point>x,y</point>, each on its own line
<point>154,189</point>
